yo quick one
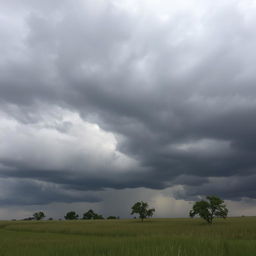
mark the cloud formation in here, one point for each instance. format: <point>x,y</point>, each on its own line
<point>99,95</point>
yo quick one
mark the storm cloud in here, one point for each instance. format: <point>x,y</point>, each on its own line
<point>98,95</point>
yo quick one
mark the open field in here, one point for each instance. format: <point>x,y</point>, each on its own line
<point>234,236</point>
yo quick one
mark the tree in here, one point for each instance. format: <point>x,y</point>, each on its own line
<point>210,208</point>
<point>111,218</point>
<point>71,215</point>
<point>38,215</point>
<point>29,218</point>
<point>91,215</point>
<point>141,208</point>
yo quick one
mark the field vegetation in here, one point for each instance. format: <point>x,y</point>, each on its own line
<point>190,237</point>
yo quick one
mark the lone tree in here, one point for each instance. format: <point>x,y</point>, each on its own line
<point>141,208</point>
<point>71,215</point>
<point>91,215</point>
<point>38,215</point>
<point>111,218</point>
<point>210,208</point>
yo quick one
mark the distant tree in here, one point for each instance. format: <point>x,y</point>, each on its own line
<point>99,217</point>
<point>91,215</point>
<point>38,215</point>
<point>111,218</point>
<point>29,218</point>
<point>50,218</point>
<point>71,215</point>
<point>210,208</point>
<point>141,208</point>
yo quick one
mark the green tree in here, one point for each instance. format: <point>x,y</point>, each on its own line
<point>38,215</point>
<point>111,218</point>
<point>99,217</point>
<point>71,215</point>
<point>141,208</point>
<point>210,208</point>
<point>91,215</point>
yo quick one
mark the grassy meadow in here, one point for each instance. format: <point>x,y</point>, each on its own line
<point>234,236</point>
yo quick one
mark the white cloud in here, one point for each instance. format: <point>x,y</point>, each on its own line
<point>61,140</point>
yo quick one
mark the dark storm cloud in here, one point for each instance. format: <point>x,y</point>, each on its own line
<point>233,188</point>
<point>28,192</point>
<point>83,182</point>
<point>178,94</point>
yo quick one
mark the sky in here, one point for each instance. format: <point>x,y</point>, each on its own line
<point>104,103</point>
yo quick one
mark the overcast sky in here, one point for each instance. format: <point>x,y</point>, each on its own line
<point>107,102</point>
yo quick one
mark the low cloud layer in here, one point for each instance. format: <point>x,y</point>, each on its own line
<point>98,95</point>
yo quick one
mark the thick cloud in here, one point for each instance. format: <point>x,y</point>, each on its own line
<point>120,94</point>
<point>26,192</point>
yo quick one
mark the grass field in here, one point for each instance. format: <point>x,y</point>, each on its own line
<point>234,236</point>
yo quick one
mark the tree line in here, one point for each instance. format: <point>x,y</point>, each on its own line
<point>72,215</point>
<point>207,209</point>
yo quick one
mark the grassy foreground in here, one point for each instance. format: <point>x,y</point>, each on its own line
<point>234,236</point>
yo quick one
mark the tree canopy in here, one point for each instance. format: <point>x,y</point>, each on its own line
<point>141,208</point>
<point>112,218</point>
<point>91,215</point>
<point>71,215</point>
<point>38,215</point>
<point>210,208</point>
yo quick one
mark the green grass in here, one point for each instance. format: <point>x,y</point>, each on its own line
<point>234,236</point>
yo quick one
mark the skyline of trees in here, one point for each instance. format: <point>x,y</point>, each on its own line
<point>207,209</point>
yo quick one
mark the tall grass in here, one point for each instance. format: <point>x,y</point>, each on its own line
<point>234,236</point>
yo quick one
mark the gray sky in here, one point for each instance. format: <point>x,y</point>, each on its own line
<point>104,103</point>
